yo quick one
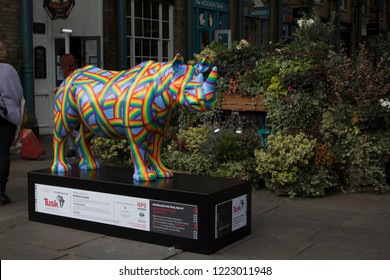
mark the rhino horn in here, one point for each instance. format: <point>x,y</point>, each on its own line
<point>210,83</point>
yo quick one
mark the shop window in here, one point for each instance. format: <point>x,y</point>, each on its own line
<point>149,31</point>
<point>255,31</point>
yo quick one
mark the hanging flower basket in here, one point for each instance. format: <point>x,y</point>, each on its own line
<point>243,103</point>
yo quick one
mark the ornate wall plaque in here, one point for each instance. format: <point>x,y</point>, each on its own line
<point>58,8</point>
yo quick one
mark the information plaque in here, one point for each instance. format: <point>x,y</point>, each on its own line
<point>194,213</point>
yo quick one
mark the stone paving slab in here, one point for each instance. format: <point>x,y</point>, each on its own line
<point>47,236</point>
<point>111,248</point>
<point>15,250</point>
<point>357,239</point>
<point>276,225</point>
<point>323,252</point>
<point>313,214</point>
<point>267,248</point>
<point>379,222</point>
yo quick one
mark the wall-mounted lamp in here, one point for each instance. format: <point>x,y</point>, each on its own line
<point>66,30</point>
<point>67,33</point>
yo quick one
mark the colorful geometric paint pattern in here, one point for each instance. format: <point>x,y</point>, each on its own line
<point>137,104</point>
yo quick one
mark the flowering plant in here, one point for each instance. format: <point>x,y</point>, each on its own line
<point>235,66</point>
<point>242,44</point>
<point>305,23</point>
<point>313,35</point>
<point>385,103</point>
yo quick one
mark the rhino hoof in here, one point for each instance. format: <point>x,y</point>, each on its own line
<point>61,167</point>
<point>165,174</point>
<point>94,166</point>
<point>150,176</point>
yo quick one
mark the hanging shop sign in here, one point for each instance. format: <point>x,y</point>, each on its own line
<point>211,5</point>
<point>58,8</point>
<point>256,8</point>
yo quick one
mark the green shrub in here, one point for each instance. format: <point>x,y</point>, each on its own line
<point>288,164</point>
<point>195,162</point>
<point>193,138</point>
<point>231,169</point>
<point>234,67</point>
<point>116,152</point>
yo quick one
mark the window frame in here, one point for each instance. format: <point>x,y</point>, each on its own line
<point>138,38</point>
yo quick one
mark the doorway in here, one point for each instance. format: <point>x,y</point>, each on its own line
<point>86,50</point>
<point>206,22</point>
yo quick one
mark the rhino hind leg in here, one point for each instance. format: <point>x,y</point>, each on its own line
<point>59,163</point>
<point>83,143</point>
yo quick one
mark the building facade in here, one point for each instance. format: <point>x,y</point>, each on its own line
<point>122,33</point>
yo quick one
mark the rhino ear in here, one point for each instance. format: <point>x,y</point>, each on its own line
<point>204,65</point>
<point>177,62</point>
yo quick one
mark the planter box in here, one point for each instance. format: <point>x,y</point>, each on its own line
<point>243,103</point>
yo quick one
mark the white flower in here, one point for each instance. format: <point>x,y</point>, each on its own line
<point>243,43</point>
<point>217,130</point>
<point>309,22</point>
<point>305,23</point>
<point>385,103</point>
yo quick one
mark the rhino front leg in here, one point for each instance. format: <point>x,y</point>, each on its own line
<point>83,142</point>
<point>138,151</point>
<point>155,157</point>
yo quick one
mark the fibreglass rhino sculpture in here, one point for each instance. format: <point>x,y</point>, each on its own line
<point>137,104</point>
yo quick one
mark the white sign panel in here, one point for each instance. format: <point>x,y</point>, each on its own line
<point>130,212</point>
<point>231,215</point>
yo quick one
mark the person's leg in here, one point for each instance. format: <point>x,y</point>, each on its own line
<point>7,132</point>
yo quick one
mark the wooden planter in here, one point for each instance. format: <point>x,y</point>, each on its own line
<point>243,103</point>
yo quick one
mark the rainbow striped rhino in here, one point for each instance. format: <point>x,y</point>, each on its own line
<point>137,104</point>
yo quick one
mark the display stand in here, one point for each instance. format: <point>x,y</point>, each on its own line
<point>194,213</point>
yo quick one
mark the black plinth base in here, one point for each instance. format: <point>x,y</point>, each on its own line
<point>193,213</point>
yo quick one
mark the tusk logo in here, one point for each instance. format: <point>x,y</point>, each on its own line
<point>59,203</point>
<point>239,207</point>
<point>61,200</point>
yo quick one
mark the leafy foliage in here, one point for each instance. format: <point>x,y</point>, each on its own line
<point>285,162</point>
<point>116,152</point>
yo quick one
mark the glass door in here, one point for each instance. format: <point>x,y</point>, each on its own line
<point>206,22</point>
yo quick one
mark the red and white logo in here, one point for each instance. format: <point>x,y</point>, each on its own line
<point>51,203</point>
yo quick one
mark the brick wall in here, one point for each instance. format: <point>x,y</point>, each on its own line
<point>180,29</point>
<point>10,29</point>
<point>233,19</point>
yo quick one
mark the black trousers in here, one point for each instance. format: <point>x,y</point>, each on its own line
<point>7,136</point>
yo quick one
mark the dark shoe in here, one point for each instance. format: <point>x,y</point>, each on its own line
<point>71,154</point>
<point>4,200</point>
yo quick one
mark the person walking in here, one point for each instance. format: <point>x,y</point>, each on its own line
<point>11,95</point>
